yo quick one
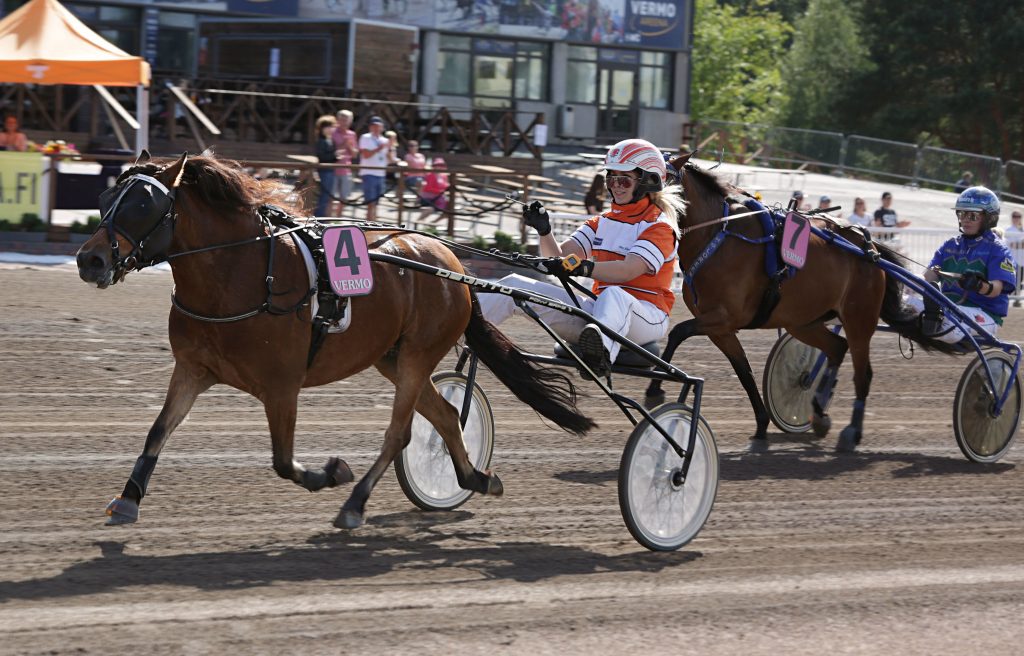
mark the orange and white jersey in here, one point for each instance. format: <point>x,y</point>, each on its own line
<point>641,229</point>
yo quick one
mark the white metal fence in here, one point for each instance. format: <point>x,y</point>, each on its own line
<point>751,143</point>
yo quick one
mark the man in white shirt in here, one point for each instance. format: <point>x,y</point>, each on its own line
<point>373,152</point>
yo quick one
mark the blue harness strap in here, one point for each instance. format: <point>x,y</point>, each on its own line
<point>769,225</point>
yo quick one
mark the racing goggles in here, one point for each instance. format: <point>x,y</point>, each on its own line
<point>624,181</point>
<point>969,215</point>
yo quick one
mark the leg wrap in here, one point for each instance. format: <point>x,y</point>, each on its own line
<point>140,474</point>
<point>858,413</point>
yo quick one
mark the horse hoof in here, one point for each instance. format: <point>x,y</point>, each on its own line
<point>122,511</point>
<point>758,445</point>
<point>821,425</point>
<point>338,471</point>
<point>494,486</point>
<point>848,440</point>
<point>348,519</point>
<point>652,401</point>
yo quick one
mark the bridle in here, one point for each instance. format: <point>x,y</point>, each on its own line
<point>162,231</point>
<point>136,259</point>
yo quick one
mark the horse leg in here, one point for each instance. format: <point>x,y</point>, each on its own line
<point>396,437</point>
<point>444,417</point>
<point>729,345</point>
<point>860,351</point>
<point>834,347</point>
<point>185,386</point>
<point>655,396</point>
<point>281,410</point>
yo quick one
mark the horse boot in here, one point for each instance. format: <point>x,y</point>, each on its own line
<point>932,317</point>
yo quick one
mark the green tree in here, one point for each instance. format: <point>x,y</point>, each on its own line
<point>736,55</point>
<point>946,70</point>
<point>827,55</point>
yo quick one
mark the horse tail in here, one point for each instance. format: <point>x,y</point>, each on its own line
<point>901,317</point>
<point>548,392</point>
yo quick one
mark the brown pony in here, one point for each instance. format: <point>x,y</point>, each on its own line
<point>732,282</point>
<point>241,317</point>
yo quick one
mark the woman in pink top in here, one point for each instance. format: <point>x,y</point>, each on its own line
<point>434,192</point>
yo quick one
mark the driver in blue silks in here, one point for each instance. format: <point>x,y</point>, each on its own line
<point>984,264</point>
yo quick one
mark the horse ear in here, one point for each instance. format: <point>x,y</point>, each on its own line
<point>175,171</point>
<point>678,162</point>
<point>142,158</point>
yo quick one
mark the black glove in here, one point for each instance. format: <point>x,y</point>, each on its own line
<point>973,281</point>
<point>567,266</point>
<point>537,218</point>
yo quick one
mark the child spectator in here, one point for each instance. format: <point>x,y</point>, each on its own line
<point>434,191</point>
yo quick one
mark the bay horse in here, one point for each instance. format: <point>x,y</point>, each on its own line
<point>726,294</point>
<point>241,316</point>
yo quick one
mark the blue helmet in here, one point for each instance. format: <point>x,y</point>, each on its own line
<point>980,199</point>
<point>671,174</point>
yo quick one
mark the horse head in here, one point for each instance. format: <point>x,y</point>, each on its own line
<point>137,222</point>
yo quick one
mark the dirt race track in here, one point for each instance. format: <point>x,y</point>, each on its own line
<point>902,548</point>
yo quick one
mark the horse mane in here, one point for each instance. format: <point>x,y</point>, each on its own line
<point>709,188</point>
<point>222,185</point>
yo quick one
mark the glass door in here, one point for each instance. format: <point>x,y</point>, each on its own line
<point>616,101</point>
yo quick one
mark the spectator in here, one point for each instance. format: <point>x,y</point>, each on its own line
<point>434,191</point>
<point>325,154</point>
<point>373,152</point>
<point>984,268</point>
<point>860,213</point>
<point>345,146</point>
<point>594,200</point>
<point>824,203</point>
<point>799,204</point>
<point>885,217</point>
<point>12,138</point>
<point>965,181</point>
<point>416,161</point>
<point>1014,237</point>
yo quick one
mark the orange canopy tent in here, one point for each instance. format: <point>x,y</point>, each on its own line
<point>44,43</point>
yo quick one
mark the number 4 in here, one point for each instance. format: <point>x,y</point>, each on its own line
<point>345,245</point>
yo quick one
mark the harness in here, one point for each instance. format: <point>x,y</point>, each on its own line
<point>330,309</point>
<point>776,270</point>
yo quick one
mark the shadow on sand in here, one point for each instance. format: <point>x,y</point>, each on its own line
<point>409,540</point>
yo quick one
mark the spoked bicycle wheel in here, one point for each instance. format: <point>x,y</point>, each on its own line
<point>662,512</point>
<point>981,436</point>
<point>424,468</point>
<point>788,385</point>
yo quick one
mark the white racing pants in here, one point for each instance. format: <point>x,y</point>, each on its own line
<point>949,332</point>
<point>638,321</point>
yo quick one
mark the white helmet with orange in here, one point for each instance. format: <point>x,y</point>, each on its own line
<point>641,155</point>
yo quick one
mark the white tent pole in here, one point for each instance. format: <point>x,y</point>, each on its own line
<point>142,116</point>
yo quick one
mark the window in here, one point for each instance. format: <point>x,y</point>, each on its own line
<point>257,56</point>
<point>175,42</point>
<point>581,75</point>
<point>655,80</point>
<point>118,25</point>
<point>608,76</point>
<point>494,71</point>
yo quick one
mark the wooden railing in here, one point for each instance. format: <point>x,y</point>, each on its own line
<point>250,113</point>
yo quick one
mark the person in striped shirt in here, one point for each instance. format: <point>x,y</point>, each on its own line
<point>629,251</point>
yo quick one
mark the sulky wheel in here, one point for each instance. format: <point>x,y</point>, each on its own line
<point>981,436</point>
<point>788,386</point>
<point>662,511</point>
<point>425,469</point>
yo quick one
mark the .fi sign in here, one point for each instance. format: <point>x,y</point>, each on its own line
<point>348,261</point>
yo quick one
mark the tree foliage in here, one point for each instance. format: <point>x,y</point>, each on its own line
<point>828,53</point>
<point>736,55</point>
<point>945,69</point>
